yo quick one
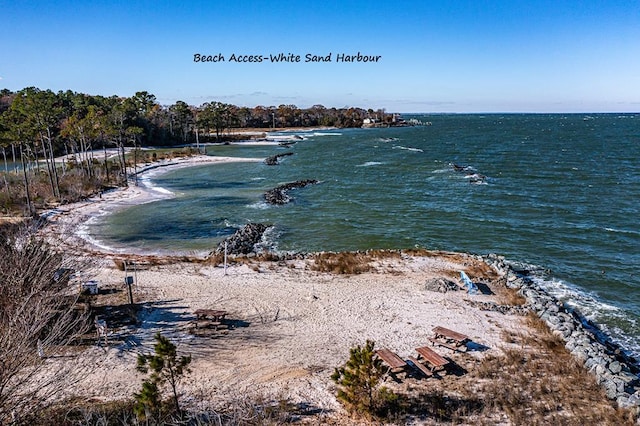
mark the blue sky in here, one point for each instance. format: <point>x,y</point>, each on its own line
<point>436,56</point>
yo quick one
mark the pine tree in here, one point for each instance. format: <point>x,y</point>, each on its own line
<point>148,403</point>
<point>358,379</point>
<point>165,367</point>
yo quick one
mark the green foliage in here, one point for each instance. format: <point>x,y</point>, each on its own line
<point>358,382</point>
<point>148,403</point>
<point>165,366</point>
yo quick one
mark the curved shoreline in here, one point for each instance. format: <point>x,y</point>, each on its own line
<point>70,222</point>
<point>616,372</point>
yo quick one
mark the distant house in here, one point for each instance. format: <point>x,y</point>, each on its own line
<point>370,122</point>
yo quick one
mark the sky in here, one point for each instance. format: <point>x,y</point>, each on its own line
<point>435,55</point>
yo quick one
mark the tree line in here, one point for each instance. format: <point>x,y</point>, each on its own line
<point>36,126</point>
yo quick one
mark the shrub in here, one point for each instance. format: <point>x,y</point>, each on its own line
<point>38,319</point>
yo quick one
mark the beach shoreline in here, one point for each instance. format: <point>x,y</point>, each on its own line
<point>69,223</point>
<point>291,323</point>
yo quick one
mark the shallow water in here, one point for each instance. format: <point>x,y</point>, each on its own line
<point>559,191</point>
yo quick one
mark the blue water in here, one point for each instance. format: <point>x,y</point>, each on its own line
<point>560,191</point>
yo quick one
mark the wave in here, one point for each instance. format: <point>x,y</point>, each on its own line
<point>269,241</point>
<point>407,148</point>
<point>146,182</point>
<point>370,163</point>
<point>259,205</point>
<point>288,137</point>
<point>593,309</point>
<point>83,232</point>
<point>326,134</point>
<point>622,231</point>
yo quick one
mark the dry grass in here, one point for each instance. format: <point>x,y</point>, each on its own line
<point>347,263</point>
<point>511,297</point>
<point>351,263</point>
<point>538,382</point>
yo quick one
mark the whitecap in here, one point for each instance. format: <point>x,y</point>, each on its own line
<point>326,134</point>
<point>406,148</point>
<point>147,183</point>
<point>622,231</point>
<point>587,303</point>
<point>370,163</point>
<point>259,205</point>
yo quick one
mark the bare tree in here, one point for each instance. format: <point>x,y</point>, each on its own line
<point>38,322</point>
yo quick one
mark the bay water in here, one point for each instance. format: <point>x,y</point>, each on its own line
<point>559,191</point>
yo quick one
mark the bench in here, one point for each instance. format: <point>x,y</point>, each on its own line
<point>435,361</point>
<point>390,358</point>
<point>449,339</point>
<point>420,366</point>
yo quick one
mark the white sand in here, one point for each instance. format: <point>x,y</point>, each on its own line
<point>293,325</point>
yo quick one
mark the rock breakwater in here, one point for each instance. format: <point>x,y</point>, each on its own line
<point>614,370</point>
<point>244,240</point>
<point>273,160</point>
<point>279,195</point>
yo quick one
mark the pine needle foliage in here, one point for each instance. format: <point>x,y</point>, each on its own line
<point>358,380</point>
<point>165,366</point>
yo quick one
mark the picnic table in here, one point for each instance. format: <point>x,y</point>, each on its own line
<point>210,317</point>
<point>449,339</point>
<point>434,361</point>
<point>210,314</point>
<point>390,358</point>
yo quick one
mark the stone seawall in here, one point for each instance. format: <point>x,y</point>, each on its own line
<point>614,370</point>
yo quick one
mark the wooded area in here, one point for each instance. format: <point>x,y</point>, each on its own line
<point>36,126</point>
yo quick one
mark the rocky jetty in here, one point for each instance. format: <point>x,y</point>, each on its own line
<point>280,194</point>
<point>244,240</point>
<point>614,370</point>
<point>273,160</point>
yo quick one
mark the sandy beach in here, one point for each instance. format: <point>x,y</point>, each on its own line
<point>290,325</point>
<point>288,322</point>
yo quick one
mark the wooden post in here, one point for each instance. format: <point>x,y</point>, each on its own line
<point>135,274</point>
<point>225,258</point>
<point>128,281</point>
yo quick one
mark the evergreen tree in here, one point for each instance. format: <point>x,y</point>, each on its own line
<point>358,379</point>
<point>165,367</point>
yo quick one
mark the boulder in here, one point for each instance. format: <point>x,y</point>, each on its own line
<point>441,285</point>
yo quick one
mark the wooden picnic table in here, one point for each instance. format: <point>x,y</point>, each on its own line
<point>210,314</point>
<point>450,335</point>
<point>449,339</point>
<point>435,361</point>
<point>420,366</point>
<point>209,317</point>
<point>390,358</point>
